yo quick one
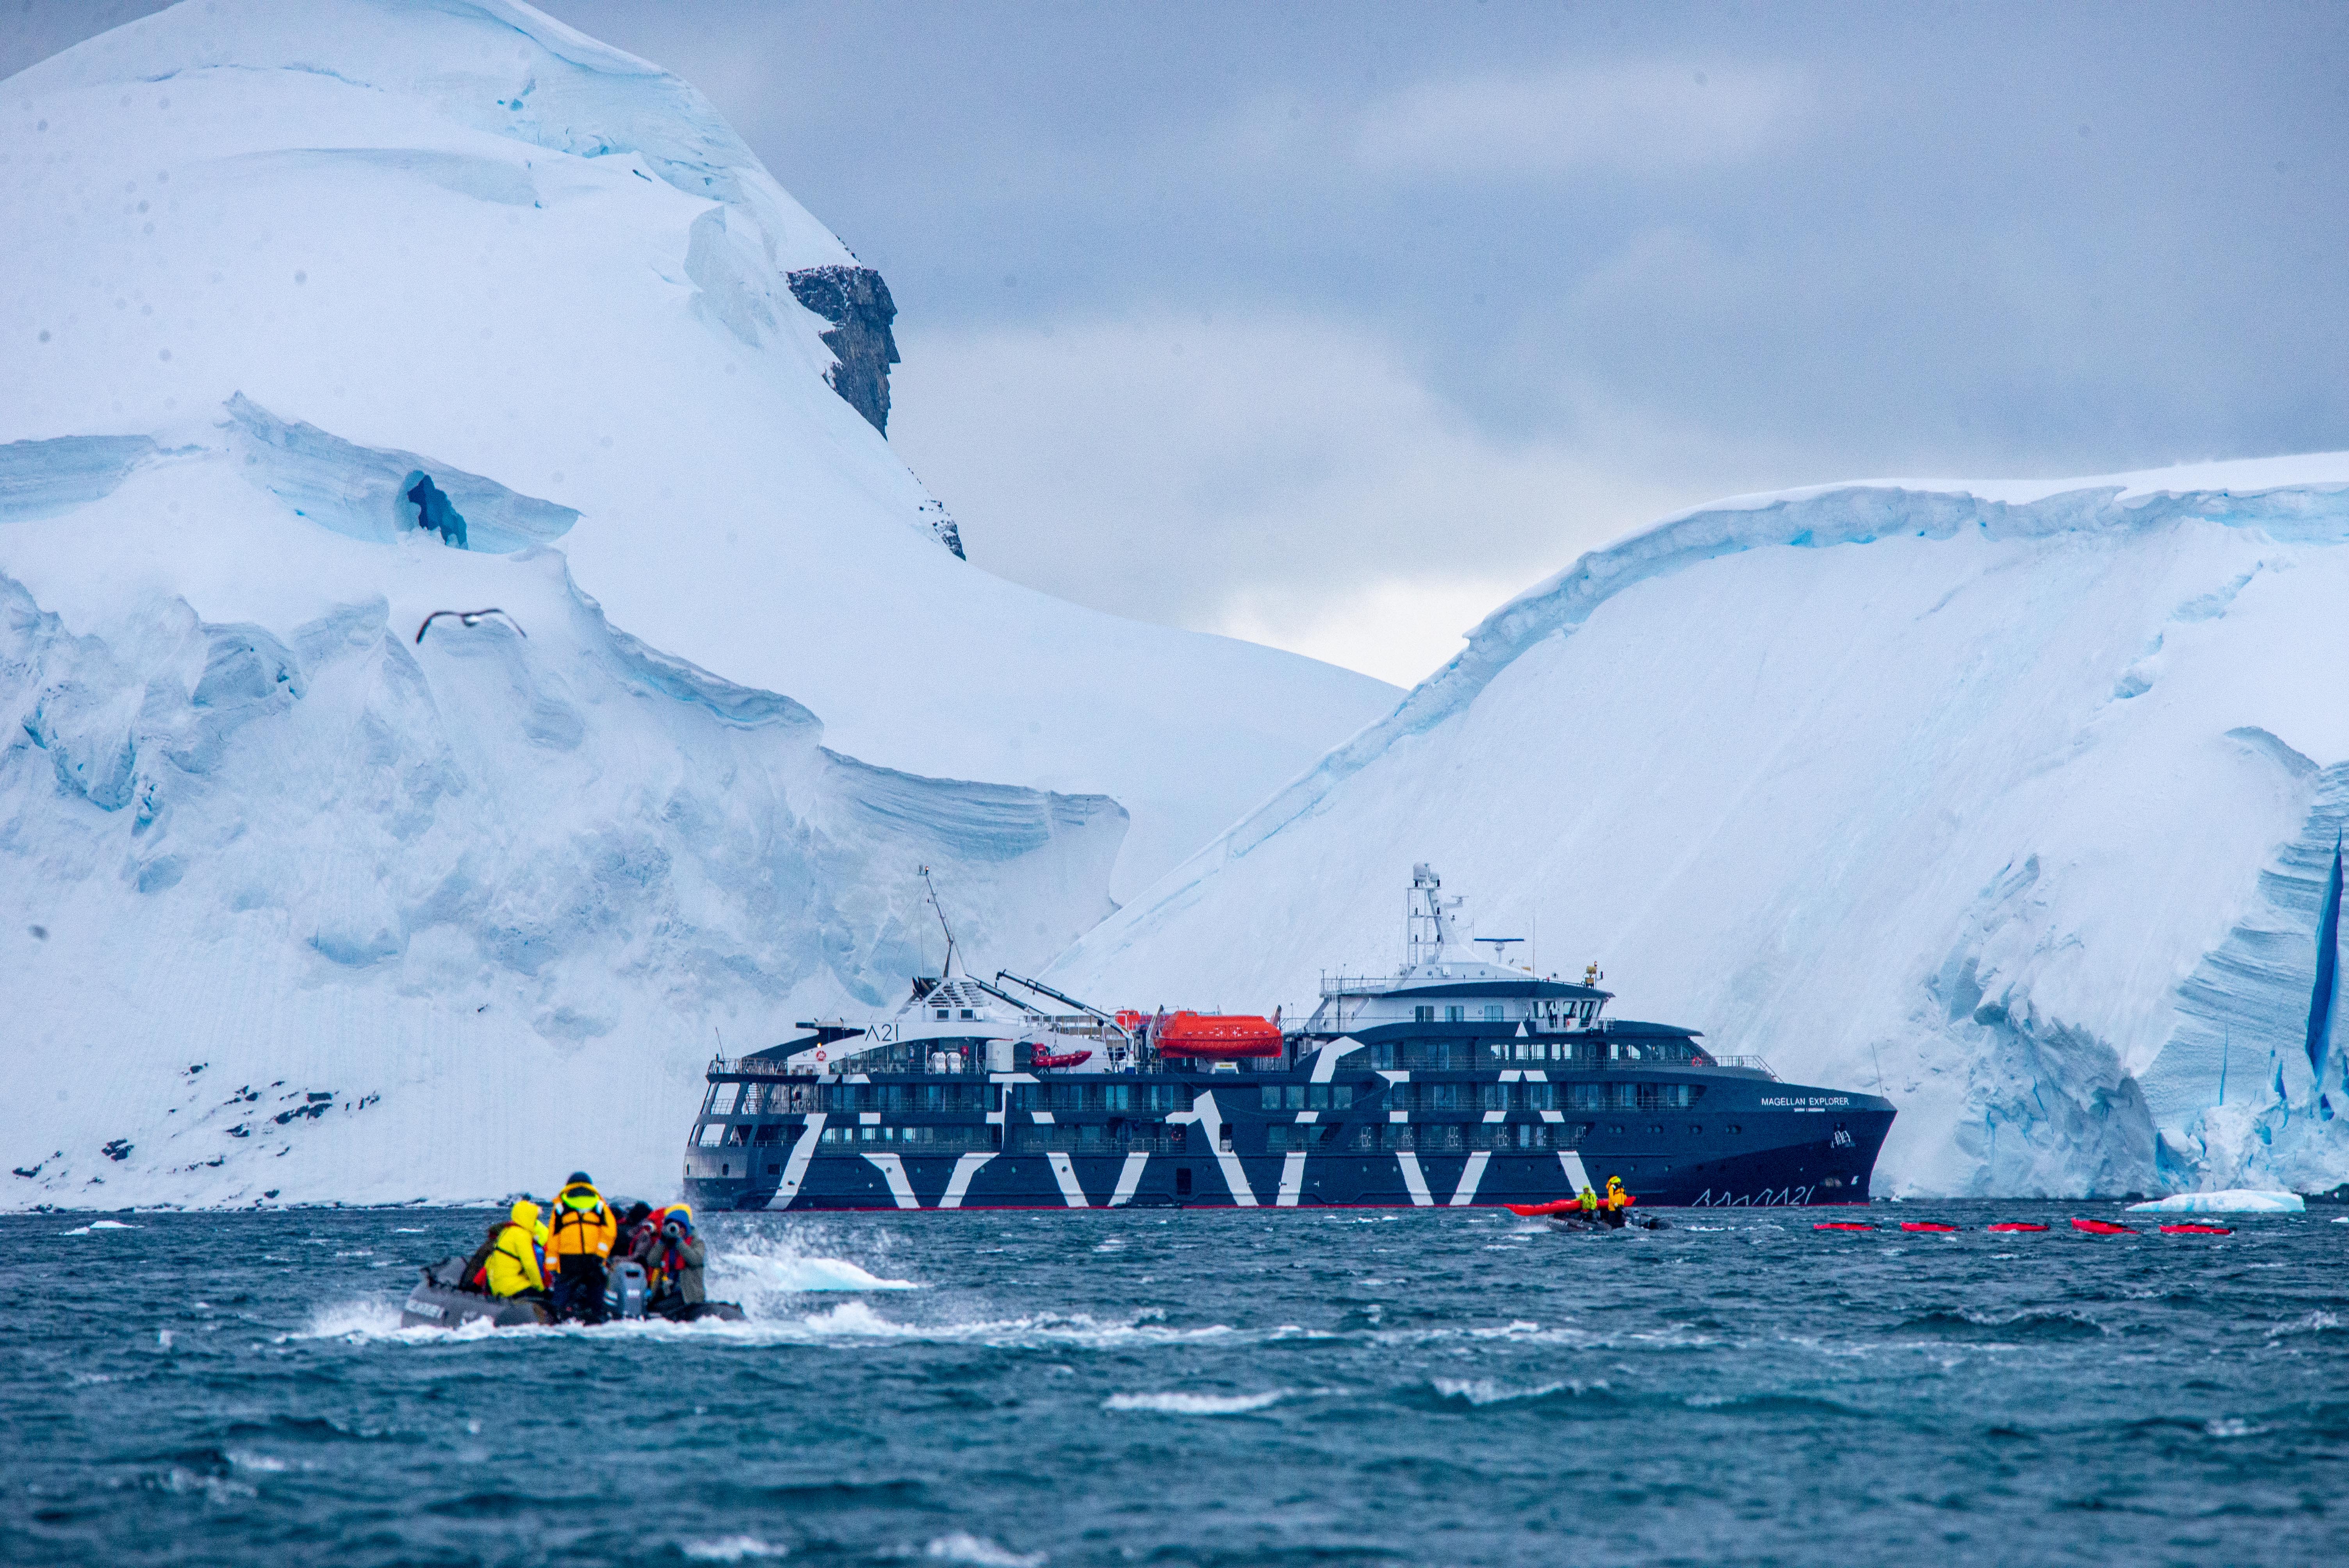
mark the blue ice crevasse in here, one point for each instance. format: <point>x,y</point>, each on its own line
<point>2320,996</point>
<point>377,495</point>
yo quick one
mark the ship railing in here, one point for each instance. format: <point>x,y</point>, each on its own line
<point>1354,984</point>
<point>1747,1063</point>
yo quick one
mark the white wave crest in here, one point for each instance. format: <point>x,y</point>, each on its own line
<point>99,1225</point>
<point>979,1552</point>
<point>1487,1391</point>
<point>730,1549</point>
<point>1179,1404</point>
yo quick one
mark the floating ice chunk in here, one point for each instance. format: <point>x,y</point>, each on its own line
<point>2237,1200</point>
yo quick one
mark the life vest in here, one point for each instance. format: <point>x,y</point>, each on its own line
<point>515,1265</point>
<point>584,1225</point>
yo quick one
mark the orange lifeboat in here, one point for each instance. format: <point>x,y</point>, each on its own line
<point>1222,1036</point>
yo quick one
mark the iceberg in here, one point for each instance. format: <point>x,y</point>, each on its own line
<point>2016,802</point>
<point>328,316</point>
<point>2239,1201</point>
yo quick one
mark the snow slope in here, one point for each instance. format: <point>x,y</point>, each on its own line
<point>294,904</point>
<point>466,230</point>
<point>2018,801</point>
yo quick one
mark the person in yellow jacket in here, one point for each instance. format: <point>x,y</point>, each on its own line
<point>1618,1199</point>
<point>1588,1202</point>
<point>513,1267</point>
<point>578,1240</point>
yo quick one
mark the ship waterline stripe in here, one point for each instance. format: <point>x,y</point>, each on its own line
<point>1128,1180</point>
<point>795,1168</point>
<point>958,1184</point>
<point>1471,1176</point>
<point>1065,1174</point>
<point>1292,1178</point>
<point>1415,1179</point>
<point>893,1168</point>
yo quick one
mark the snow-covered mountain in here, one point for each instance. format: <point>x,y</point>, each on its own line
<point>2019,800</point>
<point>323,315</point>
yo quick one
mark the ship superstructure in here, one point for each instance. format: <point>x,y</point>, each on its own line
<point>1460,1080</point>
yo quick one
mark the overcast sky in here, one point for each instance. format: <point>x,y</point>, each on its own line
<point>1334,324</point>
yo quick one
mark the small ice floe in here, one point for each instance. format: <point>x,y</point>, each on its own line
<point>1177,1404</point>
<point>2235,1201</point>
<point>100,1225</point>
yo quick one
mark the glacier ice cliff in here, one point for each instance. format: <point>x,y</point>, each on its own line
<point>2016,801</point>
<point>324,315</point>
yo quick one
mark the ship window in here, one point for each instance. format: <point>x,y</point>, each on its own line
<point>711,1131</point>
<point>1118,1097</point>
<point>1735,1127</point>
<point>1492,1012</point>
<point>1271,1097</point>
<point>1422,1015</point>
<point>1294,1097</point>
<point>722,1102</point>
<point>1695,1131</point>
<point>1182,1180</point>
<point>1224,1138</point>
<point>1656,1128</point>
<point>1617,1127</point>
<point>968,1013</point>
<point>726,1170</point>
<point>1454,1015</point>
<point>942,1014</point>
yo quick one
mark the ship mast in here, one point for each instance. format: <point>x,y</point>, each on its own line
<point>946,970</point>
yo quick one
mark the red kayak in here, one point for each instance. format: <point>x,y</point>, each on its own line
<point>1934,1226</point>
<point>1535,1211</point>
<point>1841,1225</point>
<point>2009,1227</point>
<point>2194,1229</point>
<point>2101,1228</point>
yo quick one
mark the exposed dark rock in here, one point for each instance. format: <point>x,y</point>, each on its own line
<point>857,304</point>
<point>944,526</point>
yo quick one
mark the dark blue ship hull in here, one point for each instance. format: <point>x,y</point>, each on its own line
<point>1697,1135</point>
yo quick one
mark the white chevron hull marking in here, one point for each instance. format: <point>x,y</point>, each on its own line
<point>1465,1193</point>
<point>1415,1178</point>
<point>1292,1178</point>
<point>1128,1178</point>
<point>890,1166</point>
<point>1065,1174</point>
<point>795,1169</point>
<point>958,1184</point>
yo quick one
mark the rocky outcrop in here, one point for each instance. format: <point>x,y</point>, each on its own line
<point>857,304</point>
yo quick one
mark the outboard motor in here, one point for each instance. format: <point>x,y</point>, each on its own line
<point>624,1290</point>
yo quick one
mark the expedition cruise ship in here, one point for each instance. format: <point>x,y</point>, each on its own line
<point>1460,1081</point>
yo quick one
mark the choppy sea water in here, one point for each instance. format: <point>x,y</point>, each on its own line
<point>1211,1387</point>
